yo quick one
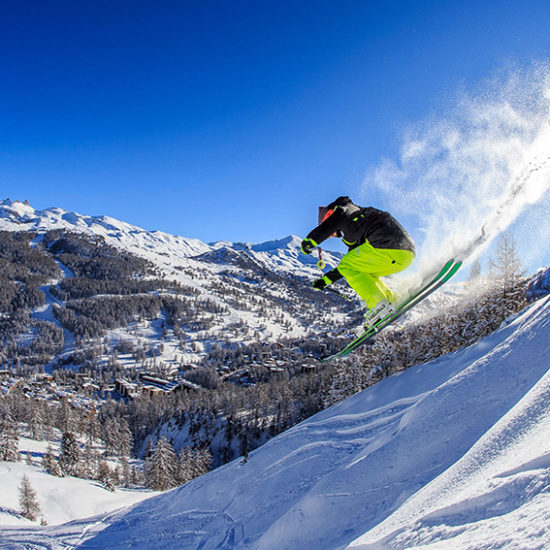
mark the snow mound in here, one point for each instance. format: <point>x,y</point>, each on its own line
<point>61,499</point>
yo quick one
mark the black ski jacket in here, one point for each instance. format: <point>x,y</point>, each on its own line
<point>357,225</point>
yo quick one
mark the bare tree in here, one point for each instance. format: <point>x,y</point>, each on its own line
<point>475,271</point>
<point>508,273</point>
<point>506,266</point>
<point>105,476</point>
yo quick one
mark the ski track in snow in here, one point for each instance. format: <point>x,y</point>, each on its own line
<point>45,312</point>
<point>453,454</point>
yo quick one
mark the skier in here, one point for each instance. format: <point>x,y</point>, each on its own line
<point>378,246</point>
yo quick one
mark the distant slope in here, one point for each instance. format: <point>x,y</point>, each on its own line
<point>455,451</point>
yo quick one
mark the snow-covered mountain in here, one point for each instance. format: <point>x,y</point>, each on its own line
<point>453,454</point>
<point>258,286</point>
<point>17,216</point>
<point>166,250</point>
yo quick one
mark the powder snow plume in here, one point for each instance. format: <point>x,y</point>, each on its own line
<point>468,175</point>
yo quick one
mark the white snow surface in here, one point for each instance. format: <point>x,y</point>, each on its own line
<point>61,499</point>
<point>452,454</point>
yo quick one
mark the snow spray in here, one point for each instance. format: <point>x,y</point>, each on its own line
<point>465,177</point>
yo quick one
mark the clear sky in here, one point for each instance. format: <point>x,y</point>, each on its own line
<point>232,120</point>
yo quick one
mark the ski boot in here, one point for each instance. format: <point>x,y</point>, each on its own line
<point>382,309</point>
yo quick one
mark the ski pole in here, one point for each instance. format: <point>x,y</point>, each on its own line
<point>321,264</point>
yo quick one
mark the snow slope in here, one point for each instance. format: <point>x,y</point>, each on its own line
<point>453,454</point>
<point>61,499</point>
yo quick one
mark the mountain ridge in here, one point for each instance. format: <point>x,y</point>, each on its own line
<point>17,216</point>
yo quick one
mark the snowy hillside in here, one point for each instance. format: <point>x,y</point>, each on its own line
<point>259,288</point>
<point>62,499</point>
<point>165,250</point>
<point>451,454</point>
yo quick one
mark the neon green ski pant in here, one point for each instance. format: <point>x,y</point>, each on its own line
<point>363,266</point>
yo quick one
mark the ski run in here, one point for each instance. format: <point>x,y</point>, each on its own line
<point>452,454</point>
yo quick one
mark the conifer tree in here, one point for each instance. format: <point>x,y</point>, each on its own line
<point>49,463</point>
<point>136,476</point>
<point>185,465</point>
<point>90,460</point>
<point>65,418</point>
<point>204,461</point>
<point>36,421</point>
<point>28,500</point>
<point>508,272</point>
<point>70,454</point>
<point>193,463</point>
<point>93,428</point>
<point>111,437</point>
<point>124,439</point>
<point>126,473</point>
<point>161,468</point>
<point>149,448</point>
<point>475,271</point>
<point>506,265</point>
<point>9,438</point>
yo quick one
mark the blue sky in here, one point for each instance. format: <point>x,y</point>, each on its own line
<point>233,120</point>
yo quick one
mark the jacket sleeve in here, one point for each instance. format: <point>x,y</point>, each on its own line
<point>328,227</point>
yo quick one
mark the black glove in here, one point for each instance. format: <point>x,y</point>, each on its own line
<point>308,245</point>
<point>320,284</point>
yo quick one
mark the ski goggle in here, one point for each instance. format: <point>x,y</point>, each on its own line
<point>324,214</point>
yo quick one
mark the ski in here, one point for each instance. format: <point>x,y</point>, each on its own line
<point>445,273</point>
